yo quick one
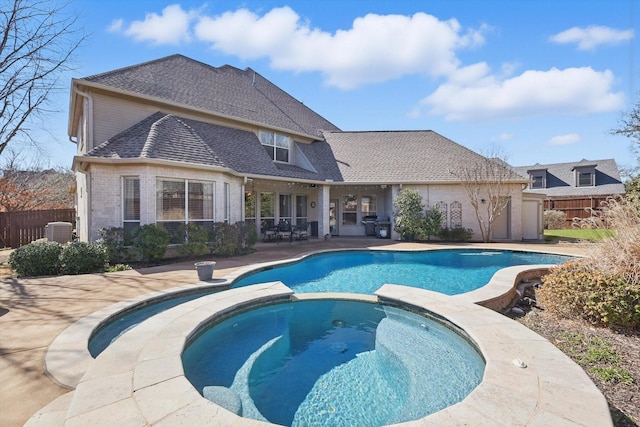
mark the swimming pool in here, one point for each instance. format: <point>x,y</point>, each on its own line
<point>450,272</point>
<point>333,363</point>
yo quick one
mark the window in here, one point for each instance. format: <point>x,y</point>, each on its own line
<point>349,209</point>
<point>301,209</point>
<point>180,202</point>
<point>585,179</point>
<point>538,181</point>
<point>227,204</point>
<point>368,206</point>
<point>277,145</point>
<point>285,207</point>
<point>268,209</point>
<point>130,204</point>
<point>250,207</point>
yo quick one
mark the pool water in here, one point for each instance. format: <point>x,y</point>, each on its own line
<point>334,363</point>
<point>115,327</point>
<point>449,272</point>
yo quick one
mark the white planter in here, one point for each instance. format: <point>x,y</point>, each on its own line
<point>205,270</point>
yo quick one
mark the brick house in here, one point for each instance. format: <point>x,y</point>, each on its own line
<point>174,140</point>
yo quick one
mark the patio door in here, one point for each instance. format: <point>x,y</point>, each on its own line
<point>333,216</point>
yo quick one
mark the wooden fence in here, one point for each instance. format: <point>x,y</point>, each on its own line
<point>575,207</point>
<point>21,228</point>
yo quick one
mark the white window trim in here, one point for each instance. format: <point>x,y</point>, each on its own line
<point>186,200</point>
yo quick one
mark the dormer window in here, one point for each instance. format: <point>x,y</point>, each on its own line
<point>538,181</point>
<point>538,178</point>
<point>585,178</point>
<point>276,144</point>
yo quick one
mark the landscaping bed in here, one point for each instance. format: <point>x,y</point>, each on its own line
<point>610,358</point>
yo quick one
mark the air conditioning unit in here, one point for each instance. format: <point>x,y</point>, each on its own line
<point>58,232</point>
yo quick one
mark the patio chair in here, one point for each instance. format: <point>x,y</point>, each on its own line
<point>301,232</point>
<point>269,232</point>
<point>283,231</point>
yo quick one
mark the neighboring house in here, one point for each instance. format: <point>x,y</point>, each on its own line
<point>174,141</point>
<point>576,187</point>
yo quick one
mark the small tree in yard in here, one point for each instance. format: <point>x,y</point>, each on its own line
<point>489,183</point>
<point>432,223</point>
<point>408,214</point>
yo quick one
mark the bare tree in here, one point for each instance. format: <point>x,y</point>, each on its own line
<point>37,40</point>
<point>489,184</point>
<point>630,127</point>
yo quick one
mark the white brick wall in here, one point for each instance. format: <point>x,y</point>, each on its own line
<point>106,192</point>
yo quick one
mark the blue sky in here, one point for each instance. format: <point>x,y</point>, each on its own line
<point>539,80</point>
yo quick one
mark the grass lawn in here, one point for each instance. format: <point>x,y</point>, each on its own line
<point>578,233</point>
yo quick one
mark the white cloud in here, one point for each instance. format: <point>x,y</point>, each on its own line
<point>571,138</point>
<point>115,26</point>
<point>170,27</point>
<point>504,137</point>
<point>591,37</point>
<point>376,48</point>
<point>473,94</point>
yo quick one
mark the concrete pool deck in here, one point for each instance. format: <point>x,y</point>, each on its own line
<point>37,310</point>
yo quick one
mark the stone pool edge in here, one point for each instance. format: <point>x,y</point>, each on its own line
<point>139,380</point>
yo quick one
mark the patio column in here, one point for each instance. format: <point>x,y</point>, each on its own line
<point>324,193</point>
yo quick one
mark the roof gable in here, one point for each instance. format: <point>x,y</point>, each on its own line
<point>226,91</point>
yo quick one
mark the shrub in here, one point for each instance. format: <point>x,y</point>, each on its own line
<point>150,242</point>
<point>247,236</point>
<point>36,259</point>
<point>456,234</point>
<point>575,288</point>
<point>113,240</point>
<point>554,220</point>
<point>224,239</point>
<point>432,223</point>
<point>196,238</point>
<point>408,214</point>
<point>83,257</point>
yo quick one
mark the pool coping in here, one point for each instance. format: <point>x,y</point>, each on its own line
<point>139,380</point>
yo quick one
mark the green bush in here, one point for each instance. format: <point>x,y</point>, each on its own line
<point>83,258</point>
<point>196,238</point>
<point>36,259</point>
<point>456,234</point>
<point>247,236</point>
<point>113,240</point>
<point>224,239</point>
<point>432,223</point>
<point>150,242</point>
<point>408,220</point>
<point>574,289</point>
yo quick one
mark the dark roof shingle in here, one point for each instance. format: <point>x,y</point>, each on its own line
<point>242,94</point>
<point>561,181</point>
<point>168,137</point>
<point>402,157</point>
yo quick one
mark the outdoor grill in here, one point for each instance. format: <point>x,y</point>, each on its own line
<point>369,222</point>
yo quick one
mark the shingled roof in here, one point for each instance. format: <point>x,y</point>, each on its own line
<point>401,157</point>
<point>168,137</point>
<point>225,90</point>
<point>561,182</point>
